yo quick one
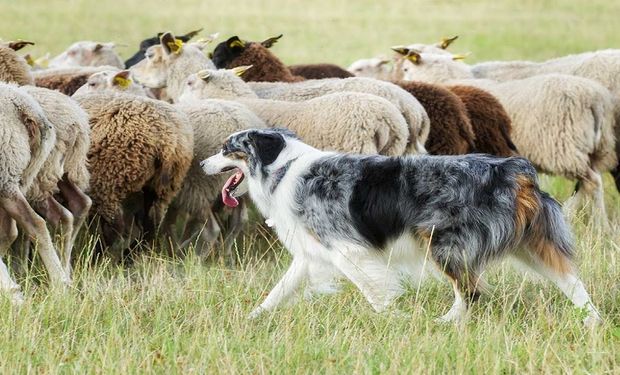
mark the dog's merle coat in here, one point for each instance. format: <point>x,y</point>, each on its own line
<point>369,218</point>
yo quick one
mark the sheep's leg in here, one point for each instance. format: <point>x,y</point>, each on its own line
<point>61,220</point>
<point>8,235</point>
<point>238,219</point>
<point>590,190</point>
<point>203,232</point>
<point>19,209</point>
<point>77,202</point>
<point>169,225</point>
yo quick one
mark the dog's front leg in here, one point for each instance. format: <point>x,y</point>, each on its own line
<point>285,288</point>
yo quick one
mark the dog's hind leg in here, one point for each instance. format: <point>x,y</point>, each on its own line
<point>374,277</point>
<point>565,279</point>
<point>285,288</point>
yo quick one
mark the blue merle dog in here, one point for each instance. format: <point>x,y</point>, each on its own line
<point>377,220</point>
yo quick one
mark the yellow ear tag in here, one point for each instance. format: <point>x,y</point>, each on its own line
<point>414,58</point>
<point>122,82</point>
<point>459,57</point>
<point>176,47</point>
<point>29,60</point>
<point>237,43</point>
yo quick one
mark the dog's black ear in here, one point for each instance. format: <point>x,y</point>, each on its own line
<point>267,146</point>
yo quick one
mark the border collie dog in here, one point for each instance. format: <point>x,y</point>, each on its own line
<point>376,220</point>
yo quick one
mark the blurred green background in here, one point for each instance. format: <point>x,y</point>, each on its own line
<point>324,30</point>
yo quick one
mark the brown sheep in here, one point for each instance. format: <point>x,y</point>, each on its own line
<point>491,124</point>
<point>138,145</point>
<point>319,71</point>
<point>66,80</point>
<point>267,67</point>
<point>451,131</point>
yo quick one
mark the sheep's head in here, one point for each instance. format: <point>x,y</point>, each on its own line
<point>114,80</point>
<point>171,59</point>
<point>414,65</point>
<point>216,84</point>
<point>375,67</point>
<point>86,53</point>
<point>146,43</point>
<point>439,48</point>
<point>226,52</point>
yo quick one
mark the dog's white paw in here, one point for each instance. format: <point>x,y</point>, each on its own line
<point>256,313</point>
<point>593,320</point>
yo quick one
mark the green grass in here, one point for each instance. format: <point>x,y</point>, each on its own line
<point>180,315</point>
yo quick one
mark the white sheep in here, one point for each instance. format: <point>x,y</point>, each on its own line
<point>563,124</point>
<point>344,121</point>
<point>407,104</point>
<point>119,80</point>
<point>88,53</point>
<point>27,137</point>
<point>65,170</point>
<point>168,64</point>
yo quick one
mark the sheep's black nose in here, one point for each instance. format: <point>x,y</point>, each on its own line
<point>202,163</point>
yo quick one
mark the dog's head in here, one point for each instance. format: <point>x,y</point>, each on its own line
<point>250,152</point>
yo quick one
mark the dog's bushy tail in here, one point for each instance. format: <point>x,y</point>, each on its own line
<point>549,235</point>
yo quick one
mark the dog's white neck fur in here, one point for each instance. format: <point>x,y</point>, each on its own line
<point>268,202</point>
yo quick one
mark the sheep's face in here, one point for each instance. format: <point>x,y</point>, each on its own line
<point>430,68</point>
<point>153,70</point>
<point>213,84</point>
<point>110,80</point>
<point>87,53</point>
<point>372,68</point>
<point>225,52</point>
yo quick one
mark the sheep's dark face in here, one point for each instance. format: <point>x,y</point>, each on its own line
<point>225,52</point>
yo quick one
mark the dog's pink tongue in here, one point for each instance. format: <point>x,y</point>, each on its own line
<point>228,199</point>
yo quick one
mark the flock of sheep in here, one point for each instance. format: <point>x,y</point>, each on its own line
<point>83,131</point>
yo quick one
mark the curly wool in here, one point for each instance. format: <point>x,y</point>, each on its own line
<point>135,142</point>
<point>451,132</point>
<point>13,68</point>
<point>489,120</point>
<point>319,71</point>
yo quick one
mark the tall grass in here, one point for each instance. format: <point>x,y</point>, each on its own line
<point>182,315</point>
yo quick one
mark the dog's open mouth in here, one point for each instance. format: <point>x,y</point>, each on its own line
<point>229,189</point>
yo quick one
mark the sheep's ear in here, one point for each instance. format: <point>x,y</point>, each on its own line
<point>414,56</point>
<point>29,59</point>
<point>170,44</point>
<point>19,44</point>
<point>235,42</point>
<point>190,35</point>
<point>239,70</point>
<point>459,57</point>
<point>445,42</point>
<point>401,50</point>
<point>205,75</point>
<point>383,62</point>
<point>268,43</point>
<point>97,47</point>
<point>121,79</point>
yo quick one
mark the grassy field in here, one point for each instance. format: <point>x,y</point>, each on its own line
<point>170,315</point>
